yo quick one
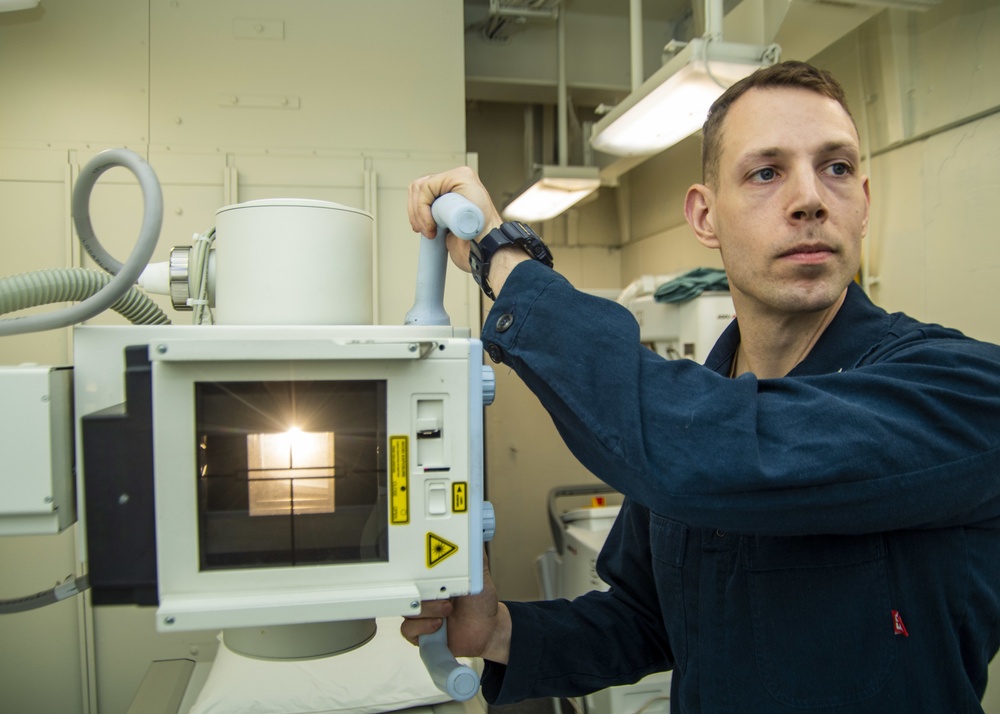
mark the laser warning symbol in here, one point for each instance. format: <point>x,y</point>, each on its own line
<point>438,549</point>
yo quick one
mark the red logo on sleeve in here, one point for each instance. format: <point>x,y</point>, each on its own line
<point>897,625</point>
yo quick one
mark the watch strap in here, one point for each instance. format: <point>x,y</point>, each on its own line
<point>508,233</point>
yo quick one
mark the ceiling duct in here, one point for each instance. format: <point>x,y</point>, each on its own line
<point>527,9</point>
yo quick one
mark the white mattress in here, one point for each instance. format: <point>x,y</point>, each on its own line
<point>384,675</point>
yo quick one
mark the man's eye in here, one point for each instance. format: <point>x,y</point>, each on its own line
<point>767,174</point>
<point>840,169</point>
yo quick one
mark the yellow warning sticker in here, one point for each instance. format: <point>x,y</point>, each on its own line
<point>438,549</point>
<point>399,479</point>
<point>458,499</point>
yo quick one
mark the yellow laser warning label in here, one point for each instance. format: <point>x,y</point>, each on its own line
<point>438,549</point>
<point>399,478</point>
<point>459,504</point>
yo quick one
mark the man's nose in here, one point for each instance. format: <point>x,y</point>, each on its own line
<point>806,200</point>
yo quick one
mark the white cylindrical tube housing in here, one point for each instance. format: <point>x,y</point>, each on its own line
<point>293,262</point>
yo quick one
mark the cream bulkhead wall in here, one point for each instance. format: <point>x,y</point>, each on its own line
<point>344,101</point>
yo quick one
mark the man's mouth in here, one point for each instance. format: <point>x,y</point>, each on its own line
<point>808,253</point>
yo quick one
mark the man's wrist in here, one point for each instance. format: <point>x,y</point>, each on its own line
<point>498,648</point>
<point>504,261</point>
<point>491,259</point>
<point>492,222</point>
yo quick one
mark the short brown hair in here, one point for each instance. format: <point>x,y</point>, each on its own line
<point>783,74</point>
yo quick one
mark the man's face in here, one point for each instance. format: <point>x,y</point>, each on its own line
<point>790,208</point>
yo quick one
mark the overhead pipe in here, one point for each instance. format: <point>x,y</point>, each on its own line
<point>562,108</point>
<point>635,43</point>
<point>528,116</point>
<point>713,20</point>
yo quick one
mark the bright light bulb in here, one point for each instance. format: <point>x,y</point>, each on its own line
<point>291,472</point>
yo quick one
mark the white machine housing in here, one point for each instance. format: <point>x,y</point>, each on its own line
<point>37,483</point>
<point>683,330</point>
<point>585,530</point>
<point>424,530</point>
<point>293,261</point>
<point>574,573</point>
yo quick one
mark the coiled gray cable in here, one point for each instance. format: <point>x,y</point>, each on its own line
<point>125,274</point>
<point>44,287</point>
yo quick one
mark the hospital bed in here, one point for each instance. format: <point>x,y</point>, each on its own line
<point>385,675</point>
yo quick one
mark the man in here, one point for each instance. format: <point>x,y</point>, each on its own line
<point>811,521</point>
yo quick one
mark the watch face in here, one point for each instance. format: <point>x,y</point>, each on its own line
<point>538,251</point>
<point>529,241</point>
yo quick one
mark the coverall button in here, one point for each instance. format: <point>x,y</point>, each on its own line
<point>494,351</point>
<point>504,322</point>
<point>720,533</point>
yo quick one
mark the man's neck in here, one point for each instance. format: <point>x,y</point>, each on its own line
<point>771,345</point>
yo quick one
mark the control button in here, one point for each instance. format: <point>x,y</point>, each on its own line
<point>437,498</point>
<point>504,322</point>
<point>495,352</point>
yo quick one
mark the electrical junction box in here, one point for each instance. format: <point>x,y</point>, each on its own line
<point>36,450</point>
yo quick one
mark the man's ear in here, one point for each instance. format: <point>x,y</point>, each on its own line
<point>868,203</point>
<point>699,211</point>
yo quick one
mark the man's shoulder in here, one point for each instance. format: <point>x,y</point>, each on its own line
<point>906,335</point>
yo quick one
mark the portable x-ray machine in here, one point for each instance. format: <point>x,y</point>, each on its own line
<point>292,472</point>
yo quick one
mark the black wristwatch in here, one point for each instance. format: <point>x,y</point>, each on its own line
<point>509,233</point>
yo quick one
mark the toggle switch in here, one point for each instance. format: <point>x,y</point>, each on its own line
<point>429,427</point>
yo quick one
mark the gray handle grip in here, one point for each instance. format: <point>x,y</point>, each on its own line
<point>458,681</point>
<point>459,215</point>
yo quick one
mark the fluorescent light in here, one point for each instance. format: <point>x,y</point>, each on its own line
<point>12,5</point>
<point>673,103</point>
<point>554,190</point>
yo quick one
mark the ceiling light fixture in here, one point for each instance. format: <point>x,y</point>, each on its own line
<point>13,5</point>
<point>673,103</point>
<point>553,190</point>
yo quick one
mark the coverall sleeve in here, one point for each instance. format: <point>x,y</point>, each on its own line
<point>561,648</point>
<point>906,437</point>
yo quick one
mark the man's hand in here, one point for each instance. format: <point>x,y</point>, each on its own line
<point>463,181</point>
<point>478,625</point>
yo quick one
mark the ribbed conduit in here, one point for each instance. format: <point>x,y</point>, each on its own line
<point>45,287</point>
